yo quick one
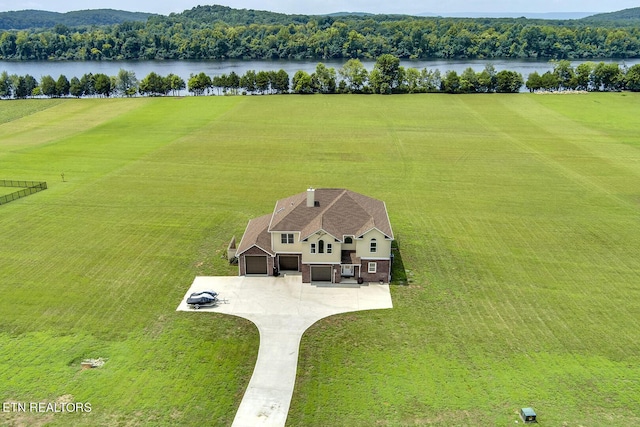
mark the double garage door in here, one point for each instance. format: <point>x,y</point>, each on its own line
<point>256,264</point>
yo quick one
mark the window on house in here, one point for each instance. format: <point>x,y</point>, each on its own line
<point>321,246</point>
<point>329,248</point>
<point>348,240</point>
<point>313,248</point>
<point>286,238</point>
<point>372,267</point>
<point>373,247</point>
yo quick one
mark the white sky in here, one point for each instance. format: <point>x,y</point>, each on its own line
<point>311,7</point>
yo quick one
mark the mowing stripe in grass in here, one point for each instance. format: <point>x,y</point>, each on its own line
<point>516,217</point>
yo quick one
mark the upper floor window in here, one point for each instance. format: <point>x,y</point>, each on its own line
<point>348,240</point>
<point>286,238</point>
<point>321,246</point>
<point>373,247</point>
<point>329,248</point>
<point>313,248</point>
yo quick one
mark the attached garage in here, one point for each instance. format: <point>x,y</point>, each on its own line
<point>288,263</point>
<point>256,264</point>
<point>320,273</point>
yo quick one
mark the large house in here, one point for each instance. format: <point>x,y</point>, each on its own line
<point>326,234</point>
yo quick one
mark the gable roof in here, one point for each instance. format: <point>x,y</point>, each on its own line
<point>339,212</point>
<point>256,234</point>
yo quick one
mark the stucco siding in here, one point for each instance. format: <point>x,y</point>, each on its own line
<point>383,246</point>
<point>328,258</point>
<point>279,247</point>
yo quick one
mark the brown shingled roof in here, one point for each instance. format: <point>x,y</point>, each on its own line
<point>339,212</point>
<point>256,234</point>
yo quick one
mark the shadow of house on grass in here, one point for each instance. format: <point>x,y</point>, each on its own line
<point>398,273</point>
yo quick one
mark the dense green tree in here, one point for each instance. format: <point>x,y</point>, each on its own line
<point>75,87</point>
<point>508,81</point>
<point>280,81</point>
<point>198,84</point>
<point>632,78</point>
<point>102,84</point>
<point>534,82</point>
<point>20,88</point>
<point>385,76</point>
<point>263,82</point>
<point>48,86</point>
<point>62,86</point>
<point>607,77</point>
<point>549,81</point>
<point>5,85</point>
<point>565,74</point>
<point>233,82</point>
<point>302,83</point>
<point>584,75</point>
<point>218,82</point>
<point>431,80</point>
<point>412,82</point>
<point>324,79</point>
<point>487,79</point>
<point>87,81</point>
<point>469,82</point>
<point>248,81</point>
<point>31,83</point>
<point>126,82</point>
<point>451,82</point>
<point>176,83</point>
<point>355,75</point>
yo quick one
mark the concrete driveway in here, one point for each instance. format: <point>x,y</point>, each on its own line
<point>282,308</point>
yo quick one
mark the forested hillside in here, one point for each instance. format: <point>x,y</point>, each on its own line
<point>625,16</point>
<point>216,32</point>
<point>24,19</point>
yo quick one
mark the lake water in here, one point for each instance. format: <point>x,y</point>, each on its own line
<point>212,68</point>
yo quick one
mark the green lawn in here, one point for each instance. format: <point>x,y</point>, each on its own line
<point>517,219</point>
<point>8,190</point>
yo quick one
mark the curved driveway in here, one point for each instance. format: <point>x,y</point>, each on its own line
<point>282,308</point>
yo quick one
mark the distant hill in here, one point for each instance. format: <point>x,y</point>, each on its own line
<point>528,15</point>
<point>24,19</point>
<point>632,14</point>
<point>232,16</point>
<point>347,14</point>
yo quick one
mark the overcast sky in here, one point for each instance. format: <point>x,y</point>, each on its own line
<point>312,7</point>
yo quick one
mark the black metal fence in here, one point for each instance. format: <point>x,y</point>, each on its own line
<point>29,187</point>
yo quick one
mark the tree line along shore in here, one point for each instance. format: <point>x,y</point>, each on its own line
<point>386,77</point>
<point>218,32</point>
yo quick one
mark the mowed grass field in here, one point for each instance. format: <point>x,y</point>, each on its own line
<point>517,219</point>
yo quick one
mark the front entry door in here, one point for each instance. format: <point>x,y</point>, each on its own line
<point>347,270</point>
